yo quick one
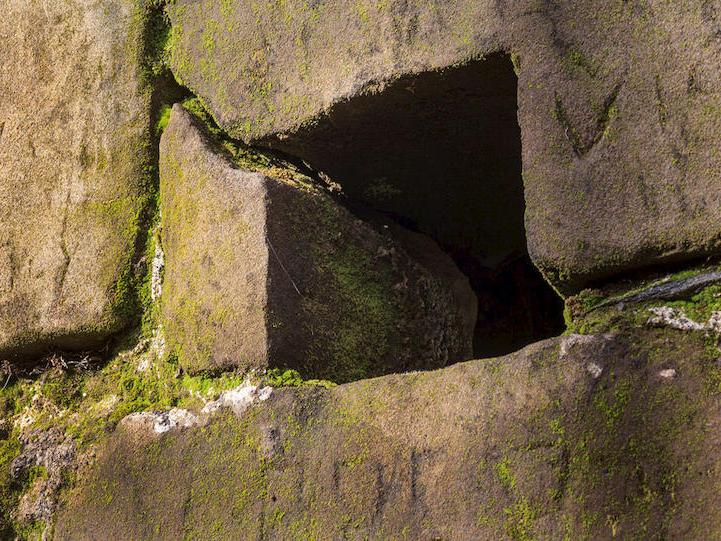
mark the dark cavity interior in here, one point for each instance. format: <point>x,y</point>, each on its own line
<point>440,153</point>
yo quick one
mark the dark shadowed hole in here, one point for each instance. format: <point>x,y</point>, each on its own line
<point>440,153</point>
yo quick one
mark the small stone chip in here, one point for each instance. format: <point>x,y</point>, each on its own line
<point>175,418</point>
<point>669,373</point>
<point>594,370</point>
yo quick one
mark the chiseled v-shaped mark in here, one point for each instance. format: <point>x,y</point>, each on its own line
<point>581,147</point>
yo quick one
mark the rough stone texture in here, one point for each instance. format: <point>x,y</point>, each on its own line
<point>264,271</point>
<point>55,453</point>
<point>74,120</point>
<point>619,103</point>
<point>580,437</point>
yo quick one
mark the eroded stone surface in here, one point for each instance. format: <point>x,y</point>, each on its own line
<point>264,271</point>
<point>618,104</point>
<point>74,120</point>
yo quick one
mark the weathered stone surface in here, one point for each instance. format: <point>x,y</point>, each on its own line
<point>264,271</point>
<point>74,121</point>
<point>52,451</point>
<point>619,104</point>
<point>581,437</point>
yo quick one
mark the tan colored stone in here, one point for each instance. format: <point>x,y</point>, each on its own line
<point>74,122</point>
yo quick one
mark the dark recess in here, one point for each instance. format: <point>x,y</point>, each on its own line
<point>440,153</point>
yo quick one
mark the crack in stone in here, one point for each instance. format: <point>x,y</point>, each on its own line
<point>63,271</point>
<point>667,291</point>
<point>9,276</point>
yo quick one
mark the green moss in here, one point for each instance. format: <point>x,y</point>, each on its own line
<point>129,213</point>
<point>520,520</point>
<point>503,471</point>
<point>575,58</point>
<point>607,121</point>
<point>10,489</point>
<point>205,385</point>
<point>193,312</point>
<point>365,314</point>
<point>602,320</point>
<point>579,147</point>
<point>602,310</point>
<point>31,532</point>
<point>520,516</point>
<point>370,316</point>
<point>702,305</point>
<point>208,37</point>
<point>579,305</point>
<point>246,157</point>
<point>87,405</point>
<point>516,61</point>
<point>152,45</point>
<point>163,119</point>
<point>277,377</point>
<point>150,309</point>
<point>134,214</point>
<point>613,407</point>
<point>363,14</point>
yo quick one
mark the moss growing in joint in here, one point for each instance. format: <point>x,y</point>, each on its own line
<point>147,48</point>
<point>277,377</point>
<point>163,119</point>
<point>10,489</point>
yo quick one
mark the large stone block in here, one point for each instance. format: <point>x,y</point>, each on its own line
<point>272,271</point>
<point>581,437</point>
<point>618,103</point>
<point>74,125</point>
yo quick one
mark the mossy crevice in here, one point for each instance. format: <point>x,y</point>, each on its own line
<point>149,51</point>
<point>690,289</point>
